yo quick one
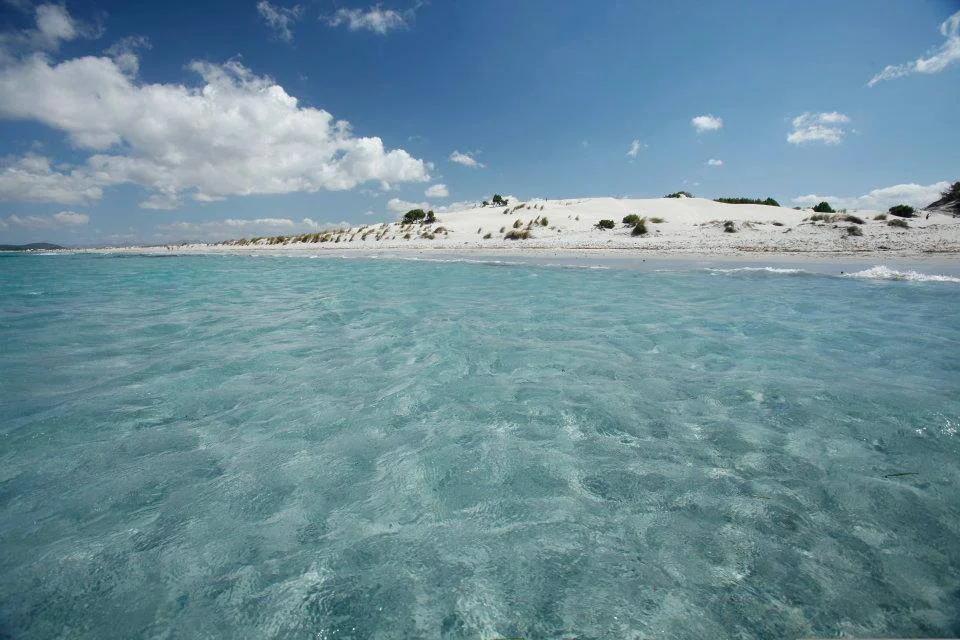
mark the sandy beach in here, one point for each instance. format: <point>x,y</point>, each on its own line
<point>692,228</point>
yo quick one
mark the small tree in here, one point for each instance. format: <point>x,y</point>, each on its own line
<point>902,211</point>
<point>824,207</point>
<point>498,200</point>
<point>430,219</point>
<point>414,215</point>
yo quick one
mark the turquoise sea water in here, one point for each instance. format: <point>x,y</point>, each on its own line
<point>282,447</point>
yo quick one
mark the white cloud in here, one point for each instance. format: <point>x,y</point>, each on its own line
<point>236,134</point>
<point>466,160</point>
<point>236,227</point>
<point>706,123</point>
<point>947,53</point>
<point>635,147</point>
<point>437,191</point>
<point>818,127</point>
<point>124,53</point>
<point>373,19</point>
<point>916,195</point>
<point>713,162</point>
<point>32,179</point>
<point>396,205</point>
<point>71,218</point>
<point>279,19</point>
<point>61,219</point>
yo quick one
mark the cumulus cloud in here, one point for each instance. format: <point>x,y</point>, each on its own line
<point>466,160</point>
<point>437,191</point>
<point>706,123</point>
<point>635,147</point>
<point>375,19</point>
<point>71,218</point>
<point>31,178</point>
<point>279,19</point>
<point>61,219</point>
<point>124,53</point>
<point>396,205</point>
<point>236,133</point>
<point>54,25</point>
<point>947,53</point>
<point>818,127</point>
<point>713,162</point>
<point>916,195</point>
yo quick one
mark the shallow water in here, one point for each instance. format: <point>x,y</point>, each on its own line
<point>282,447</point>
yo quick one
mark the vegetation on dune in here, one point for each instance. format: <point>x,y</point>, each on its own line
<point>880,216</point>
<point>419,215</point>
<point>487,236</point>
<point>498,200</point>
<point>902,211</point>
<point>898,222</point>
<point>679,194</point>
<point>640,228</point>
<point>854,230</point>
<point>657,220</point>
<point>824,207</point>
<point>729,226</point>
<point>517,234</point>
<point>606,224</point>
<point>852,218</point>
<point>631,219</point>
<point>768,201</point>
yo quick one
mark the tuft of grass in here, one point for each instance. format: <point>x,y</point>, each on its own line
<point>657,220</point>
<point>853,219</point>
<point>631,219</point>
<point>898,222</point>
<point>729,226</point>
<point>502,229</point>
<point>487,236</point>
<point>777,224</point>
<point>543,222</point>
<point>640,229</point>
<point>606,224</point>
<point>518,224</point>
<point>880,216</point>
<point>854,230</point>
<point>516,234</point>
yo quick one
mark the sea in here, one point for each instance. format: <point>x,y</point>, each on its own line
<point>285,447</point>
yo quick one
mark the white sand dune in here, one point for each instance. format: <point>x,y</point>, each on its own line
<point>690,226</point>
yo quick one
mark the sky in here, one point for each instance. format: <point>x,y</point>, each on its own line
<point>132,122</point>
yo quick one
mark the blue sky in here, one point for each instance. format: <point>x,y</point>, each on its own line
<point>158,122</point>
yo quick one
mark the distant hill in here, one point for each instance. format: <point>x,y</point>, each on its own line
<point>29,247</point>
<point>949,203</point>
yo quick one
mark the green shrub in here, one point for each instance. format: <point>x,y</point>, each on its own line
<point>854,230</point>
<point>414,215</point>
<point>430,219</point>
<point>852,218</point>
<point>606,224</point>
<point>729,226</point>
<point>902,211</point>
<point>488,236</point>
<point>657,220</point>
<point>679,194</point>
<point>824,207</point>
<point>640,229</point>
<point>770,202</point>
<point>898,222</point>
<point>880,216</point>
<point>498,200</point>
<point>517,235</point>
<point>543,222</point>
<point>631,219</point>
